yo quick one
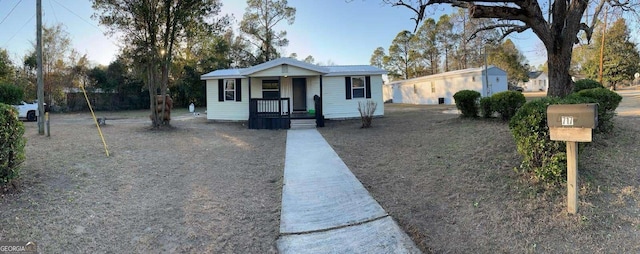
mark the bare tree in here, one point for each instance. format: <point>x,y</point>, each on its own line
<point>558,29</point>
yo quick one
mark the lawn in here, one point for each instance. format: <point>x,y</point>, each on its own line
<point>453,185</point>
<point>198,188</point>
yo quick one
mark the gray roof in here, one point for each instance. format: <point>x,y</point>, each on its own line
<point>340,70</point>
<point>534,74</point>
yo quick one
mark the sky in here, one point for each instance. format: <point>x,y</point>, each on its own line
<point>342,32</point>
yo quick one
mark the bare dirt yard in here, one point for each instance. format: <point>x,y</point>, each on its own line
<point>452,184</point>
<point>197,188</point>
<point>202,187</point>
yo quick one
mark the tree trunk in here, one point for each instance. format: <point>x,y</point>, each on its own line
<point>559,63</point>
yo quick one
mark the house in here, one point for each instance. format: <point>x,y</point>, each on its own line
<point>270,94</point>
<point>538,81</point>
<point>440,88</point>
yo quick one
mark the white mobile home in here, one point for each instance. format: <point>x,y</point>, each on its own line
<point>268,95</point>
<point>440,88</point>
<point>538,81</point>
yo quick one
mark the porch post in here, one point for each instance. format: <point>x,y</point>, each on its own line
<point>321,95</point>
<point>249,78</point>
<point>280,95</point>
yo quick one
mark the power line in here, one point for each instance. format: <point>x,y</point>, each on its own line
<point>80,17</point>
<point>54,12</point>
<point>19,30</point>
<point>14,7</point>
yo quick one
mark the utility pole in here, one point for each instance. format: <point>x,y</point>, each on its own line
<point>604,31</point>
<point>39,69</point>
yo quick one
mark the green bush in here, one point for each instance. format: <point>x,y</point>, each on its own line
<point>607,101</point>
<point>11,143</point>
<point>486,107</point>
<point>584,84</point>
<point>544,158</point>
<point>467,102</point>
<point>10,94</point>
<point>507,103</point>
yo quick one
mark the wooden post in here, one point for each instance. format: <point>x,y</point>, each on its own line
<point>572,177</point>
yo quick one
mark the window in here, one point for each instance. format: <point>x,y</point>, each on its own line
<point>358,87</point>
<point>270,89</point>
<point>473,78</point>
<point>229,90</point>
<point>433,87</point>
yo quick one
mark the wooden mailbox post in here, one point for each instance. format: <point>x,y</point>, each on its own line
<point>572,123</point>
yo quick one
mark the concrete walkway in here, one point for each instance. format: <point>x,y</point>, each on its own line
<point>325,209</point>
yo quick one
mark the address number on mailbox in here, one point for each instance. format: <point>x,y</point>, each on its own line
<point>567,121</point>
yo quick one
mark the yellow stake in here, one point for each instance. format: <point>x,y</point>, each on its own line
<point>96,121</point>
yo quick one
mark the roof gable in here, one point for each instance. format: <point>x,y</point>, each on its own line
<point>282,61</point>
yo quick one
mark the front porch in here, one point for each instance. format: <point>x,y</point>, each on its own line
<point>275,100</point>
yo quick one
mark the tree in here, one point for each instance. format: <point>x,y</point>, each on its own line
<point>152,29</point>
<point>259,21</point>
<point>426,44</point>
<point>558,30</point>
<point>621,57</point>
<point>377,58</point>
<point>6,66</point>
<point>309,59</point>
<point>508,58</point>
<point>401,55</point>
<point>446,38</point>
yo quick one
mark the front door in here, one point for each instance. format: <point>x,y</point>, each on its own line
<point>299,94</point>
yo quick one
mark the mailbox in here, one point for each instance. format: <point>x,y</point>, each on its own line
<point>572,122</point>
<point>572,116</point>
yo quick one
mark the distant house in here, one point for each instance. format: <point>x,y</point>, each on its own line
<point>440,88</point>
<point>270,94</point>
<point>538,81</point>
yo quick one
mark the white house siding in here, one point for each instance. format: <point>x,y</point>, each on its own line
<point>336,106</point>
<point>431,89</point>
<point>227,110</point>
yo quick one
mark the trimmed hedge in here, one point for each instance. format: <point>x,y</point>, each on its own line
<point>11,143</point>
<point>10,94</point>
<point>607,101</point>
<point>584,84</point>
<point>486,107</point>
<point>544,158</point>
<point>467,102</point>
<point>507,103</point>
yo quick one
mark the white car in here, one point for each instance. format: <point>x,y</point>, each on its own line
<point>27,110</point>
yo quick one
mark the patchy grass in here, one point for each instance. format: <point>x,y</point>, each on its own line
<point>452,184</point>
<point>194,188</point>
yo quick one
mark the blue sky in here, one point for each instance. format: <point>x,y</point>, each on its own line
<point>340,31</point>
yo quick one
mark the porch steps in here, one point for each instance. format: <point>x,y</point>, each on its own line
<point>297,124</point>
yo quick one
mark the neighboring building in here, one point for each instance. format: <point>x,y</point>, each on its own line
<point>440,88</point>
<point>252,94</point>
<point>538,81</point>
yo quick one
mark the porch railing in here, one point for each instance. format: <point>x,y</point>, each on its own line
<point>269,108</point>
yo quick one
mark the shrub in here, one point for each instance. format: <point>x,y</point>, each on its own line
<point>486,107</point>
<point>366,110</point>
<point>584,84</point>
<point>544,158</point>
<point>11,143</point>
<point>10,94</point>
<point>607,101</point>
<point>467,102</point>
<point>507,103</point>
